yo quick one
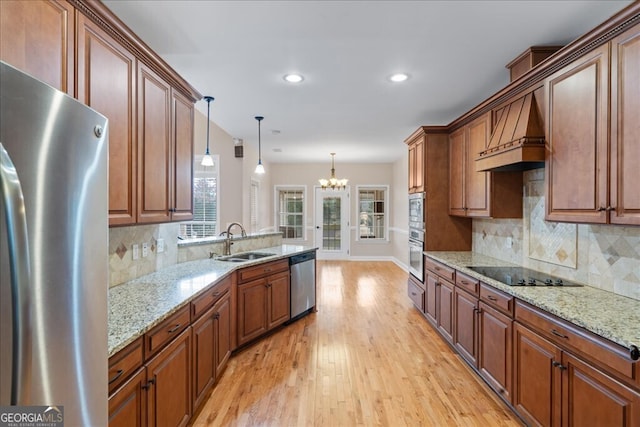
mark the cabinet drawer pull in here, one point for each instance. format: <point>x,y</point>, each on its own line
<point>118,375</point>
<point>175,328</point>
<point>558,365</point>
<point>558,334</point>
<point>464,282</point>
<point>492,298</point>
<point>413,293</point>
<point>151,382</point>
<point>437,268</point>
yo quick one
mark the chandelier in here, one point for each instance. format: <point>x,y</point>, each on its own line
<point>333,182</point>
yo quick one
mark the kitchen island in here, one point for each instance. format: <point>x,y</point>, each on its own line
<point>138,305</point>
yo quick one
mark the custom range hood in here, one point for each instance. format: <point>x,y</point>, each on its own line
<point>517,142</point>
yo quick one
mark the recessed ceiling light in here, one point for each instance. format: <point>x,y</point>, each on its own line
<point>293,78</point>
<point>398,77</point>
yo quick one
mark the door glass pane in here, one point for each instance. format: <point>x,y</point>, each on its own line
<point>331,223</point>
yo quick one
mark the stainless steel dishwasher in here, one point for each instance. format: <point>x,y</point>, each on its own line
<point>303,284</point>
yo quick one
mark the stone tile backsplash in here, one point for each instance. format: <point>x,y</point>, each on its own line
<point>603,256</point>
<point>122,266</point>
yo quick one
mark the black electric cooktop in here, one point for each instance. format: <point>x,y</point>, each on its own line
<point>519,276</point>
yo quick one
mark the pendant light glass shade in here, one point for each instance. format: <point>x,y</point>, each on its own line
<point>259,167</point>
<point>207,160</point>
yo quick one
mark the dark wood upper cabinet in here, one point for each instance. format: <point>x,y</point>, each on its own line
<point>107,83</point>
<point>577,159</point>
<point>480,194</point>
<point>38,37</point>
<point>154,147</point>
<point>625,128</point>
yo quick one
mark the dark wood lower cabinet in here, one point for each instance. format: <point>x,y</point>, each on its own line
<point>536,385</point>
<point>128,406</point>
<point>552,387</point>
<point>169,384</point>
<point>445,309</point>
<point>204,373</point>
<point>592,398</point>
<point>495,350</point>
<point>278,299</point>
<point>465,333</point>
<point>211,347</point>
<point>430,303</point>
<point>263,304</point>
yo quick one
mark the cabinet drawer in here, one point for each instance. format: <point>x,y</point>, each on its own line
<point>497,299</point>
<point>440,269</point>
<point>170,328</point>
<point>209,297</point>
<point>584,344</point>
<point>467,283</point>
<point>262,270</point>
<point>416,294</point>
<point>124,363</point>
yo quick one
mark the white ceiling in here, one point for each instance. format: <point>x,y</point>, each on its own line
<point>454,51</point>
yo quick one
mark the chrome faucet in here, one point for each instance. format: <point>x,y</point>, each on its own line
<point>227,241</point>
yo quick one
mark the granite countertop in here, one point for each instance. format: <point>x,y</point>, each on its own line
<point>611,316</point>
<point>138,305</point>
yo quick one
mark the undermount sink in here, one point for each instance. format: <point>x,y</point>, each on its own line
<point>243,257</point>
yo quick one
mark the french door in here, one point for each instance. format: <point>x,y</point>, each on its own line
<point>332,223</point>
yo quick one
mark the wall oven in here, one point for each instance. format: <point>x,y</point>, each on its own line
<point>416,235</point>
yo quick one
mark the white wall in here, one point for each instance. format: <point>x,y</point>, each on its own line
<point>235,174</point>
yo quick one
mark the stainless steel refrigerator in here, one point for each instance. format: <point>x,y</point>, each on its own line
<point>53,251</point>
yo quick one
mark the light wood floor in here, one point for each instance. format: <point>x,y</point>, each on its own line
<point>367,357</point>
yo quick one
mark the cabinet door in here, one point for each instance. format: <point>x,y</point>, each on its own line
<point>431,283</point>
<point>252,310</point>
<point>154,147</point>
<point>169,380</point>
<point>495,352</point>
<point>456,173</point>
<point>222,324</point>
<point>279,301</point>
<point>465,332</point>
<point>477,184</point>
<point>203,356</point>
<point>418,166</point>
<point>445,309</point>
<point>577,160</point>
<point>536,381</point>
<point>38,37</point>
<point>591,398</point>
<point>625,128</point>
<point>182,143</point>
<point>128,405</point>
<point>106,83</point>
<point>412,168</point>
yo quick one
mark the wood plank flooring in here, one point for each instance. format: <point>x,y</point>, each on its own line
<point>366,358</point>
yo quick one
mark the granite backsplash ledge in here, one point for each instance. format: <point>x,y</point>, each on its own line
<point>123,268</point>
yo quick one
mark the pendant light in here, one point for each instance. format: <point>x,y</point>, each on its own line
<point>333,182</point>
<point>207,160</point>
<point>259,168</point>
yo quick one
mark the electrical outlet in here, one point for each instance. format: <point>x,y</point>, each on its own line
<point>160,244</point>
<point>136,251</point>
<point>145,250</point>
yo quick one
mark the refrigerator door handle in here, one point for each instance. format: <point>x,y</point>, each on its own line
<point>16,222</point>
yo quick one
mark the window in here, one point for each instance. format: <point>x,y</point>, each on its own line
<point>290,214</point>
<point>205,202</point>
<point>372,212</point>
